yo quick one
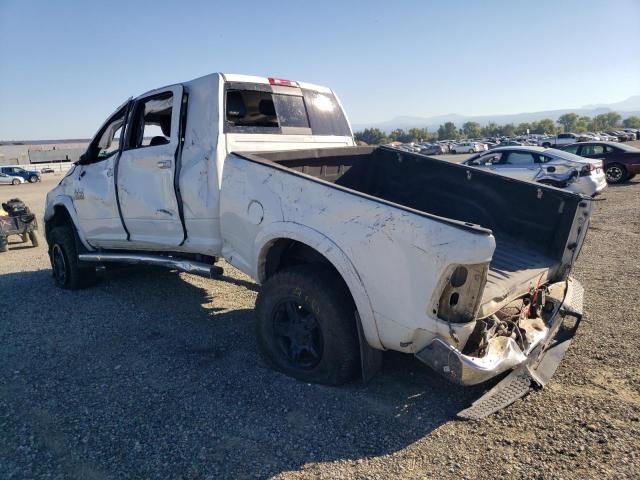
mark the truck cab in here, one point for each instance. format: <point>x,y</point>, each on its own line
<point>150,178</point>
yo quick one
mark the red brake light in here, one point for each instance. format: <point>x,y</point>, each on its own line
<point>282,82</point>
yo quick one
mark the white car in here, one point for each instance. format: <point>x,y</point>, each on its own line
<point>10,179</point>
<point>545,165</point>
<point>468,147</point>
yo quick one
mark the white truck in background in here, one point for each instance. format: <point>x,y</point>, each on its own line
<point>358,249</point>
<point>559,140</point>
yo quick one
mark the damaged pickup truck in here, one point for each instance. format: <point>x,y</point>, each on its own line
<point>358,249</point>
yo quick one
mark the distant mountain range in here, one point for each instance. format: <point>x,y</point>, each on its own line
<point>626,108</point>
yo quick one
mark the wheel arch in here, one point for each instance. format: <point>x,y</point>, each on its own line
<point>62,212</point>
<point>290,238</point>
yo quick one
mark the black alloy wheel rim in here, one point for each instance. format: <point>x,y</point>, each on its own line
<point>59,265</point>
<point>298,335</point>
<point>614,174</point>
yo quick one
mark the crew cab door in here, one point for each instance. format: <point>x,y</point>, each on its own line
<point>146,170</point>
<point>94,196</point>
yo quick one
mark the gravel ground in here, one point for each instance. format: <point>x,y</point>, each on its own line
<point>154,374</point>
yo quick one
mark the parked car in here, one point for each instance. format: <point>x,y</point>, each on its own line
<point>621,136</point>
<point>634,132</point>
<point>544,165</point>
<point>621,162</point>
<point>467,147</point>
<point>358,249</point>
<point>47,170</point>
<point>10,180</point>
<point>434,149</point>
<point>29,175</point>
<point>560,139</point>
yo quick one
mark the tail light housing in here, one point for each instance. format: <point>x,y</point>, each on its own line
<point>462,292</point>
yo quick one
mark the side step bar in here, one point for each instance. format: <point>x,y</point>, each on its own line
<point>182,264</point>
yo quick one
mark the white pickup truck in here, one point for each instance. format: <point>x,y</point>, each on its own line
<point>559,140</point>
<point>358,249</point>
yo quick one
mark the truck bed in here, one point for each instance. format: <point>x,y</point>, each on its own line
<point>531,224</point>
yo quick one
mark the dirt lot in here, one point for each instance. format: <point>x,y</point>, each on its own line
<point>154,374</point>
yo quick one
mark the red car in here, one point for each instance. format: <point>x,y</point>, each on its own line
<point>621,162</point>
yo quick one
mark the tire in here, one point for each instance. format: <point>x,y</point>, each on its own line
<point>15,181</point>
<point>454,152</point>
<point>33,179</point>
<point>306,327</point>
<point>472,151</point>
<point>33,236</point>
<point>616,173</point>
<point>68,273</point>
<point>546,145</point>
<point>4,244</point>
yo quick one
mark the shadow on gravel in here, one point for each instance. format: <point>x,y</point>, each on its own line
<point>148,375</point>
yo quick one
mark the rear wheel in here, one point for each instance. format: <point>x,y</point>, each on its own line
<point>306,325</point>
<point>616,173</point>
<point>68,273</point>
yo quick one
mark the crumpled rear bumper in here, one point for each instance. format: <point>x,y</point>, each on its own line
<point>504,355</point>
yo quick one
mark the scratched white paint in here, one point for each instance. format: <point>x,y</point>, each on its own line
<point>399,257</point>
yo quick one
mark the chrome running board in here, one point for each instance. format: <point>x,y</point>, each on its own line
<point>182,264</point>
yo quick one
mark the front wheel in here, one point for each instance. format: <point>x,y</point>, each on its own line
<point>33,179</point>
<point>472,151</point>
<point>615,173</point>
<point>306,325</point>
<point>68,273</point>
<point>15,181</point>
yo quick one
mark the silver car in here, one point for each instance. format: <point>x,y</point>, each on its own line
<point>544,165</point>
<point>10,179</point>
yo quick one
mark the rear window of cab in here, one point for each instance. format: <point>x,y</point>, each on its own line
<point>262,109</point>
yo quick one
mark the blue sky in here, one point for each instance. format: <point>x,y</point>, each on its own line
<point>67,64</point>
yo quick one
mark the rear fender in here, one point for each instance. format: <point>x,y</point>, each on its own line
<point>333,253</point>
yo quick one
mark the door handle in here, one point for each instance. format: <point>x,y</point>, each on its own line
<point>164,164</point>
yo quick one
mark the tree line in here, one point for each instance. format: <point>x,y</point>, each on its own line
<point>569,122</point>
